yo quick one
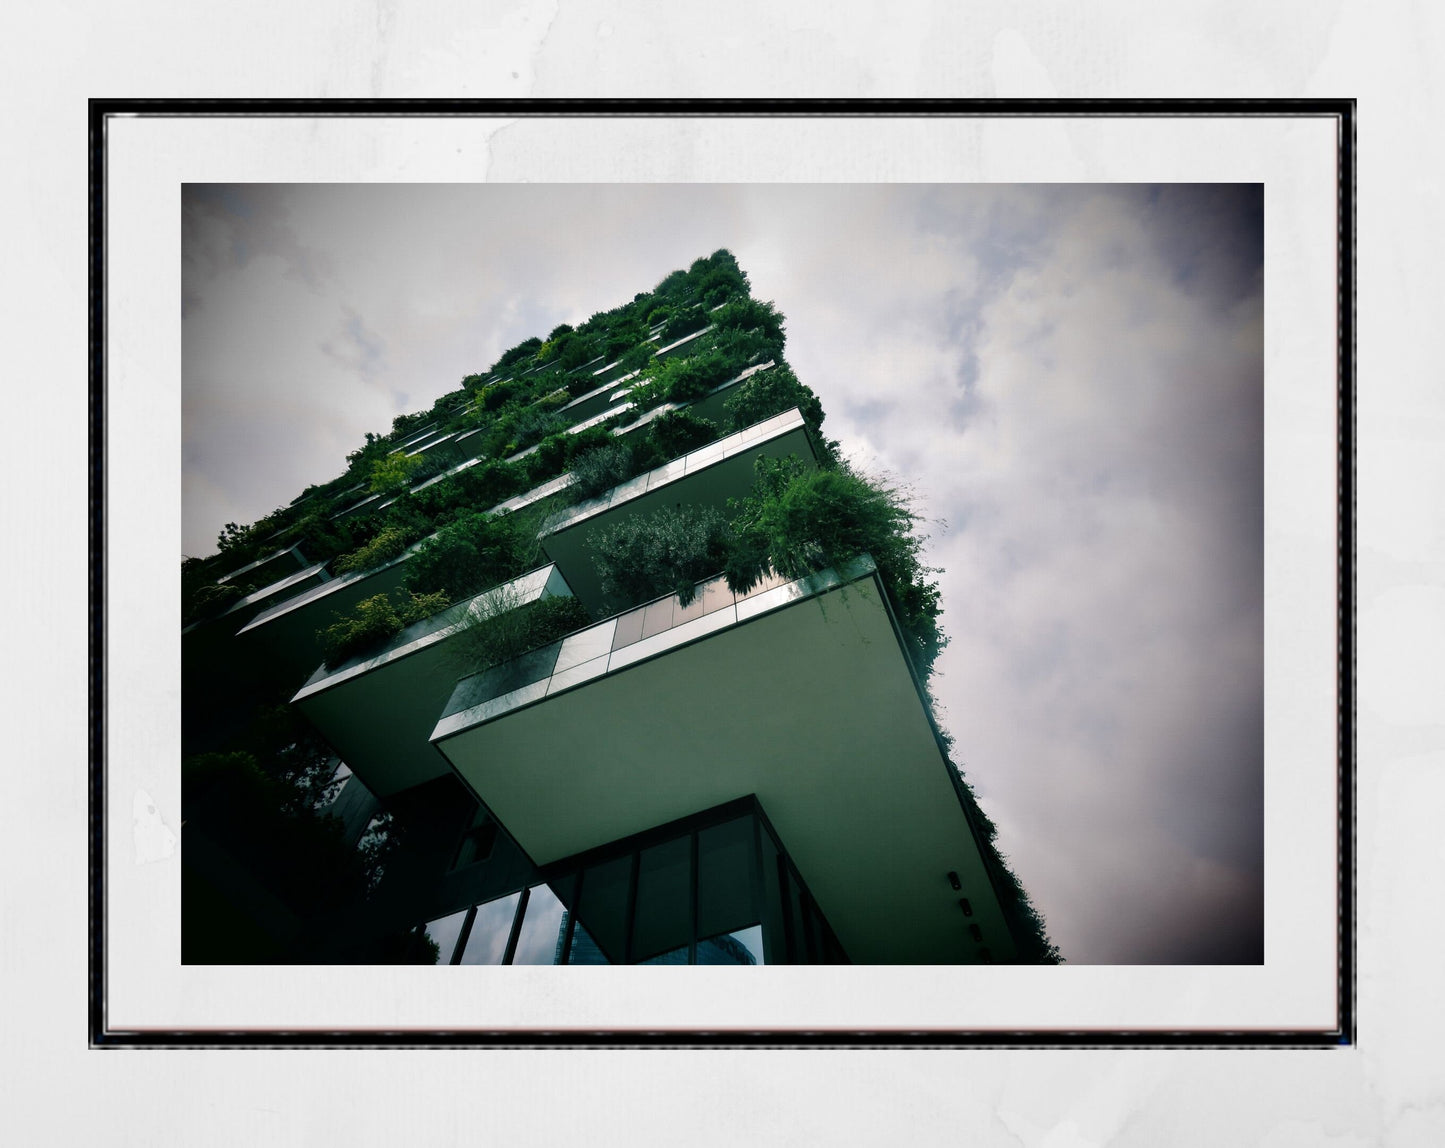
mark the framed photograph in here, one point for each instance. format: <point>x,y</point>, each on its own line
<point>897,555</point>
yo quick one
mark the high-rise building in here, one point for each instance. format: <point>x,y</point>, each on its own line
<point>608,657</point>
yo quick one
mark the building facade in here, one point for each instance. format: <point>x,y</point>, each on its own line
<point>606,658</point>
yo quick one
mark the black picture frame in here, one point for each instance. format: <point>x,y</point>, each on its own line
<point>101,112</point>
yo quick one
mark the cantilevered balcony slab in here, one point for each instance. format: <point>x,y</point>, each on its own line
<point>269,568</point>
<point>799,693</point>
<point>284,634</point>
<point>377,711</point>
<point>708,476</point>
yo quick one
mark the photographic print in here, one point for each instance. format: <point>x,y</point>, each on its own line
<point>853,574</point>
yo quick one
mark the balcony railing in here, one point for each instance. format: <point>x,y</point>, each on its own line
<point>625,639</point>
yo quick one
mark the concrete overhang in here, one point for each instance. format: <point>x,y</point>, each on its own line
<point>677,345</point>
<point>711,406</point>
<point>378,711</point>
<point>594,402</point>
<point>707,476</point>
<point>269,568</point>
<point>422,446</point>
<point>800,693</point>
<point>285,634</point>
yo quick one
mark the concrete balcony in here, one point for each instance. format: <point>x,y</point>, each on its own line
<point>268,569</point>
<point>378,710</point>
<point>708,476</point>
<point>799,693</point>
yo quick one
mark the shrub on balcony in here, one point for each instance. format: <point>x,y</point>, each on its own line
<point>770,393</point>
<point>673,286</point>
<point>673,433</point>
<point>525,349</point>
<point>798,520</point>
<point>402,525</point>
<point>744,314</point>
<point>466,557</point>
<point>601,468</point>
<point>489,482</point>
<point>671,549</point>
<point>622,338</point>
<point>638,356</point>
<point>393,472</point>
<point>517,430</point>
<point>505,628</point>
<point>684,321</point>
<point>373,623</point>
<point>211,601</point>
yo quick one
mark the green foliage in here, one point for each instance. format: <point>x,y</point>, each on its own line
<point>518,429</point>
<point>668,550</point>
<point>436,461</point>
<point>579,385</point>
<point>601,468</point>
<point>717,279</point>
<point>233,539</point>
<point>471,554</point>
<point>362,458</point>
<point>489,482</point>
<point>390,542</point>
<point>682,380</point>
<point>638,356</point>
<point>504,629</point>
<point>394,472</point>
<point>622,337</point>
<point>769,393</point>
<point>674,433</point>
<point>403,425</point>
<point>673,286</point>
<point>373,622</point>
<point>683,322</point>
<point>525,349</point>
<point>213,600</point>
<point>751,315</point>
<point>798,520</point>
<point>495,395</point>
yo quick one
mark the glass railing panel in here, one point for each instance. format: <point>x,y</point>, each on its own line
<point>629,628</point>
<point>657,616</point>
<point>585,645</point>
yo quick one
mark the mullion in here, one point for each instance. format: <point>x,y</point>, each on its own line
<point>521,910</point>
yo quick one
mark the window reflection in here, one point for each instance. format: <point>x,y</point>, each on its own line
<point>584,950</point>
<point>487,942</point>
<point>445,931</point>
<point>539,942</point>
<point>742,947</point>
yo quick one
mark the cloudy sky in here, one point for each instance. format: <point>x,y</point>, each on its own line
<point>1069,378</point>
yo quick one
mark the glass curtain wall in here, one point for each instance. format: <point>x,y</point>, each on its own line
<point>713,889</point>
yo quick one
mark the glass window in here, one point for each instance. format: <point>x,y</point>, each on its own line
<point>725,858</point>
<point>584,950</point>
<point>740,947</point>
<point>663,917</point>
<point>487,942</point>
<point>774,934</point>
<point>603,906</point>
<point>539,941</point>
<point>445,931</point>
<point>672,957</point>
<point>476,844</point>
